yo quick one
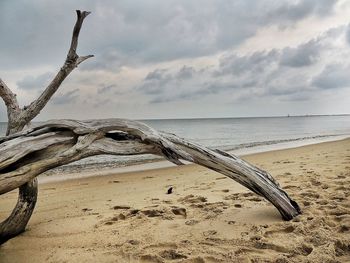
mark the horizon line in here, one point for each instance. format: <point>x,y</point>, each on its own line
<point>237,117</point>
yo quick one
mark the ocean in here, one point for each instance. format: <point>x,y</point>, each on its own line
<point>239,135</point>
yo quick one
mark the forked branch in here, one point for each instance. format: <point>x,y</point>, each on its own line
<point>71,62</point>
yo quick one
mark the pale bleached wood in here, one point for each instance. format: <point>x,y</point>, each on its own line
<point>12,107</point>
<point>18,219</point>
<point>125,137</point>
<point>18,118</point>
<point>8,96</point>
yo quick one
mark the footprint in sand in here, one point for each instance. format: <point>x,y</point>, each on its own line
<point>209,233</point>
<point>121,207</point>
<point>322,202</point>
<point>344,229</point>
<point>220,178</point>
<point>153,212</point>
<point>172,255</point>
<point>280,230</point>
<point>191,222</point>
<point>255,199</point>
<point>310,194</point>
<point>291,187</point>
<point>342,248</point>
<point>232,197</point>
<point>315,182</point>
<point>179,211</point>
<point>192,199</point>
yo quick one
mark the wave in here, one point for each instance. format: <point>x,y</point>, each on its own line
<point>231,148</point>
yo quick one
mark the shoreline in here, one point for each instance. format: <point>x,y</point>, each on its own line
<point>128,217</point>
<point>70,172</point>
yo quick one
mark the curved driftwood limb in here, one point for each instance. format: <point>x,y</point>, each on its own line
<point>59,142</point>
<point>255,179</point>
<point>18,118</point>
<point>17,221</point>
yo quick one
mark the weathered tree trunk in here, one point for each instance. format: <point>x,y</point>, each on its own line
<point>25,155</point>
<point>18,118</point>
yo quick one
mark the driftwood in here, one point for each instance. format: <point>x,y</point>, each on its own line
<point>25,155</point>
<point>19,117</point>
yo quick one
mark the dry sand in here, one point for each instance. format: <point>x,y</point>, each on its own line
<point>208,218</point>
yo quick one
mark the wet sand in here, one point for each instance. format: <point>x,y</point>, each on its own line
<point>129,217</point>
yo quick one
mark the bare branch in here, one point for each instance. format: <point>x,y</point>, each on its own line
<point>83,58</point>
<point>72,54</point>
<point>13,109</point>
<point>9,97</point>
<point>72,61</point>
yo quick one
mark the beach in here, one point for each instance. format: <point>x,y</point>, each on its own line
<point>129,217</point>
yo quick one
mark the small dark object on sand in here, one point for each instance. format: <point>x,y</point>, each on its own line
<point>170,190</point>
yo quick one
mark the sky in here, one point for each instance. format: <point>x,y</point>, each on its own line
<point>180,58</point>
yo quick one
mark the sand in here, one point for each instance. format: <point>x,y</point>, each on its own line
<point>129,217</point>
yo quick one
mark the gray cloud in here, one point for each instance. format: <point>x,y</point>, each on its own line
<point>157,74</point>
<point>106,88</point>
<point>238,64</point>
<point>66,98</point>
<point>348,34</point>
<point>109,60</point>
<point>303,55</point>
<point>155,82</point>
<point>284,73</point>
<point>129,32</point>
<point>166,86</point>
<point>185,72</point>
<point>38,82</point>
<point>333,76</point>
<point>300,9</point>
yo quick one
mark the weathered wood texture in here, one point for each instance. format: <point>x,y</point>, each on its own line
<point>26,154</point>
<point>18,219</point>
<point>19,117</point>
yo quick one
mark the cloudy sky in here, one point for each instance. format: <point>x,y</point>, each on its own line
<point>181,58</point>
